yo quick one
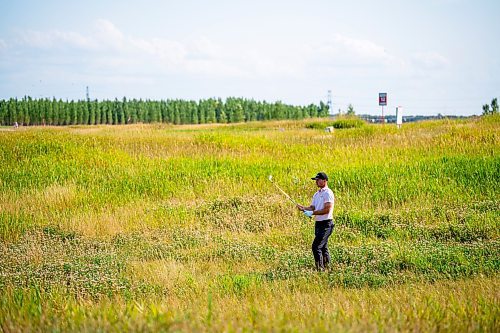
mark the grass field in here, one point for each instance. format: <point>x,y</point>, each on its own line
<point>177,228</point>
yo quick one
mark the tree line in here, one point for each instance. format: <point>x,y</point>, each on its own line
<point>494,107</point>
<point>56,112</point>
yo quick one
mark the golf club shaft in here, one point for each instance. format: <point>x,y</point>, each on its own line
<point>286,195</point>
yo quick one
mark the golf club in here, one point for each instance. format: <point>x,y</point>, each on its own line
<point>286,195</point>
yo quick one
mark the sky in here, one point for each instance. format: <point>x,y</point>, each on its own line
<point>429,56</point>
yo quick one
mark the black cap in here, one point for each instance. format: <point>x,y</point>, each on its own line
<point>320,175</point>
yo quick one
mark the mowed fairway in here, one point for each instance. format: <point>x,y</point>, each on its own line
<point>177,228</point>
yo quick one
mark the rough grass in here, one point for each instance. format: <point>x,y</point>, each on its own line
<point>162,228</point>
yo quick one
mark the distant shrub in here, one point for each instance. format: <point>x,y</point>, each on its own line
<point>346,122</point>
<point>353,122</point>
<point>318,125</point>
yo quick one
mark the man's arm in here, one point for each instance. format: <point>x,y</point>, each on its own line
<point>303,208</point>
<point>325,210</point>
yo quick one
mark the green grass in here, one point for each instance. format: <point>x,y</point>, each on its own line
<point>165,228</point>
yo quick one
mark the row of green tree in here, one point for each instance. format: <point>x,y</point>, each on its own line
<point>28,111</point>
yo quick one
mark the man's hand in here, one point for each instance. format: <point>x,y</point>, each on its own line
<point>300,207</point>
<point>308,213</point>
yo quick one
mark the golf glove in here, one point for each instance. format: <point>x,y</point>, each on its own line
<point>308,213</point>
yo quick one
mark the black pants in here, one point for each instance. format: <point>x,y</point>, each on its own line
<point>322,230</point>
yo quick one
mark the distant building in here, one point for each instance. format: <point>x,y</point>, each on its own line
<point>406,119</point>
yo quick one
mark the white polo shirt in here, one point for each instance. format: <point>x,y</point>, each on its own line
<point>319,199</point>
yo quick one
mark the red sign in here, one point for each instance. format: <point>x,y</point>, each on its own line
<point>382,99</point>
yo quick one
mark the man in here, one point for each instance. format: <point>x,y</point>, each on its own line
<point>322,210</point>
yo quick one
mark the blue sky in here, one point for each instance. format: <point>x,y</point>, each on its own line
<point>430,56</point>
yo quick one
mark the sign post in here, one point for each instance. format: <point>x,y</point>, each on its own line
<point>382,101</point>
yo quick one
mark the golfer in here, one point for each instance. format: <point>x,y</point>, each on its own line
<point>322,210</point>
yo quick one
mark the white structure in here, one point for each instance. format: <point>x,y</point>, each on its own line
<point>399,116</point>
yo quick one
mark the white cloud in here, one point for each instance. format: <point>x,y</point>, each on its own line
<point>430,60</point>
<point>57,39</point>
<point>111,51</point>
<point>105,36</point>
<point>108,47</point>
<point>344,58</point>
<point>362,50</point>
<point>108,35</point>
<point>170,53</point>
<point>343,50</point>
<point>204,48</point>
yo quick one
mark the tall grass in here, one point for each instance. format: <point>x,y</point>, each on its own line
<point>155,227</point>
